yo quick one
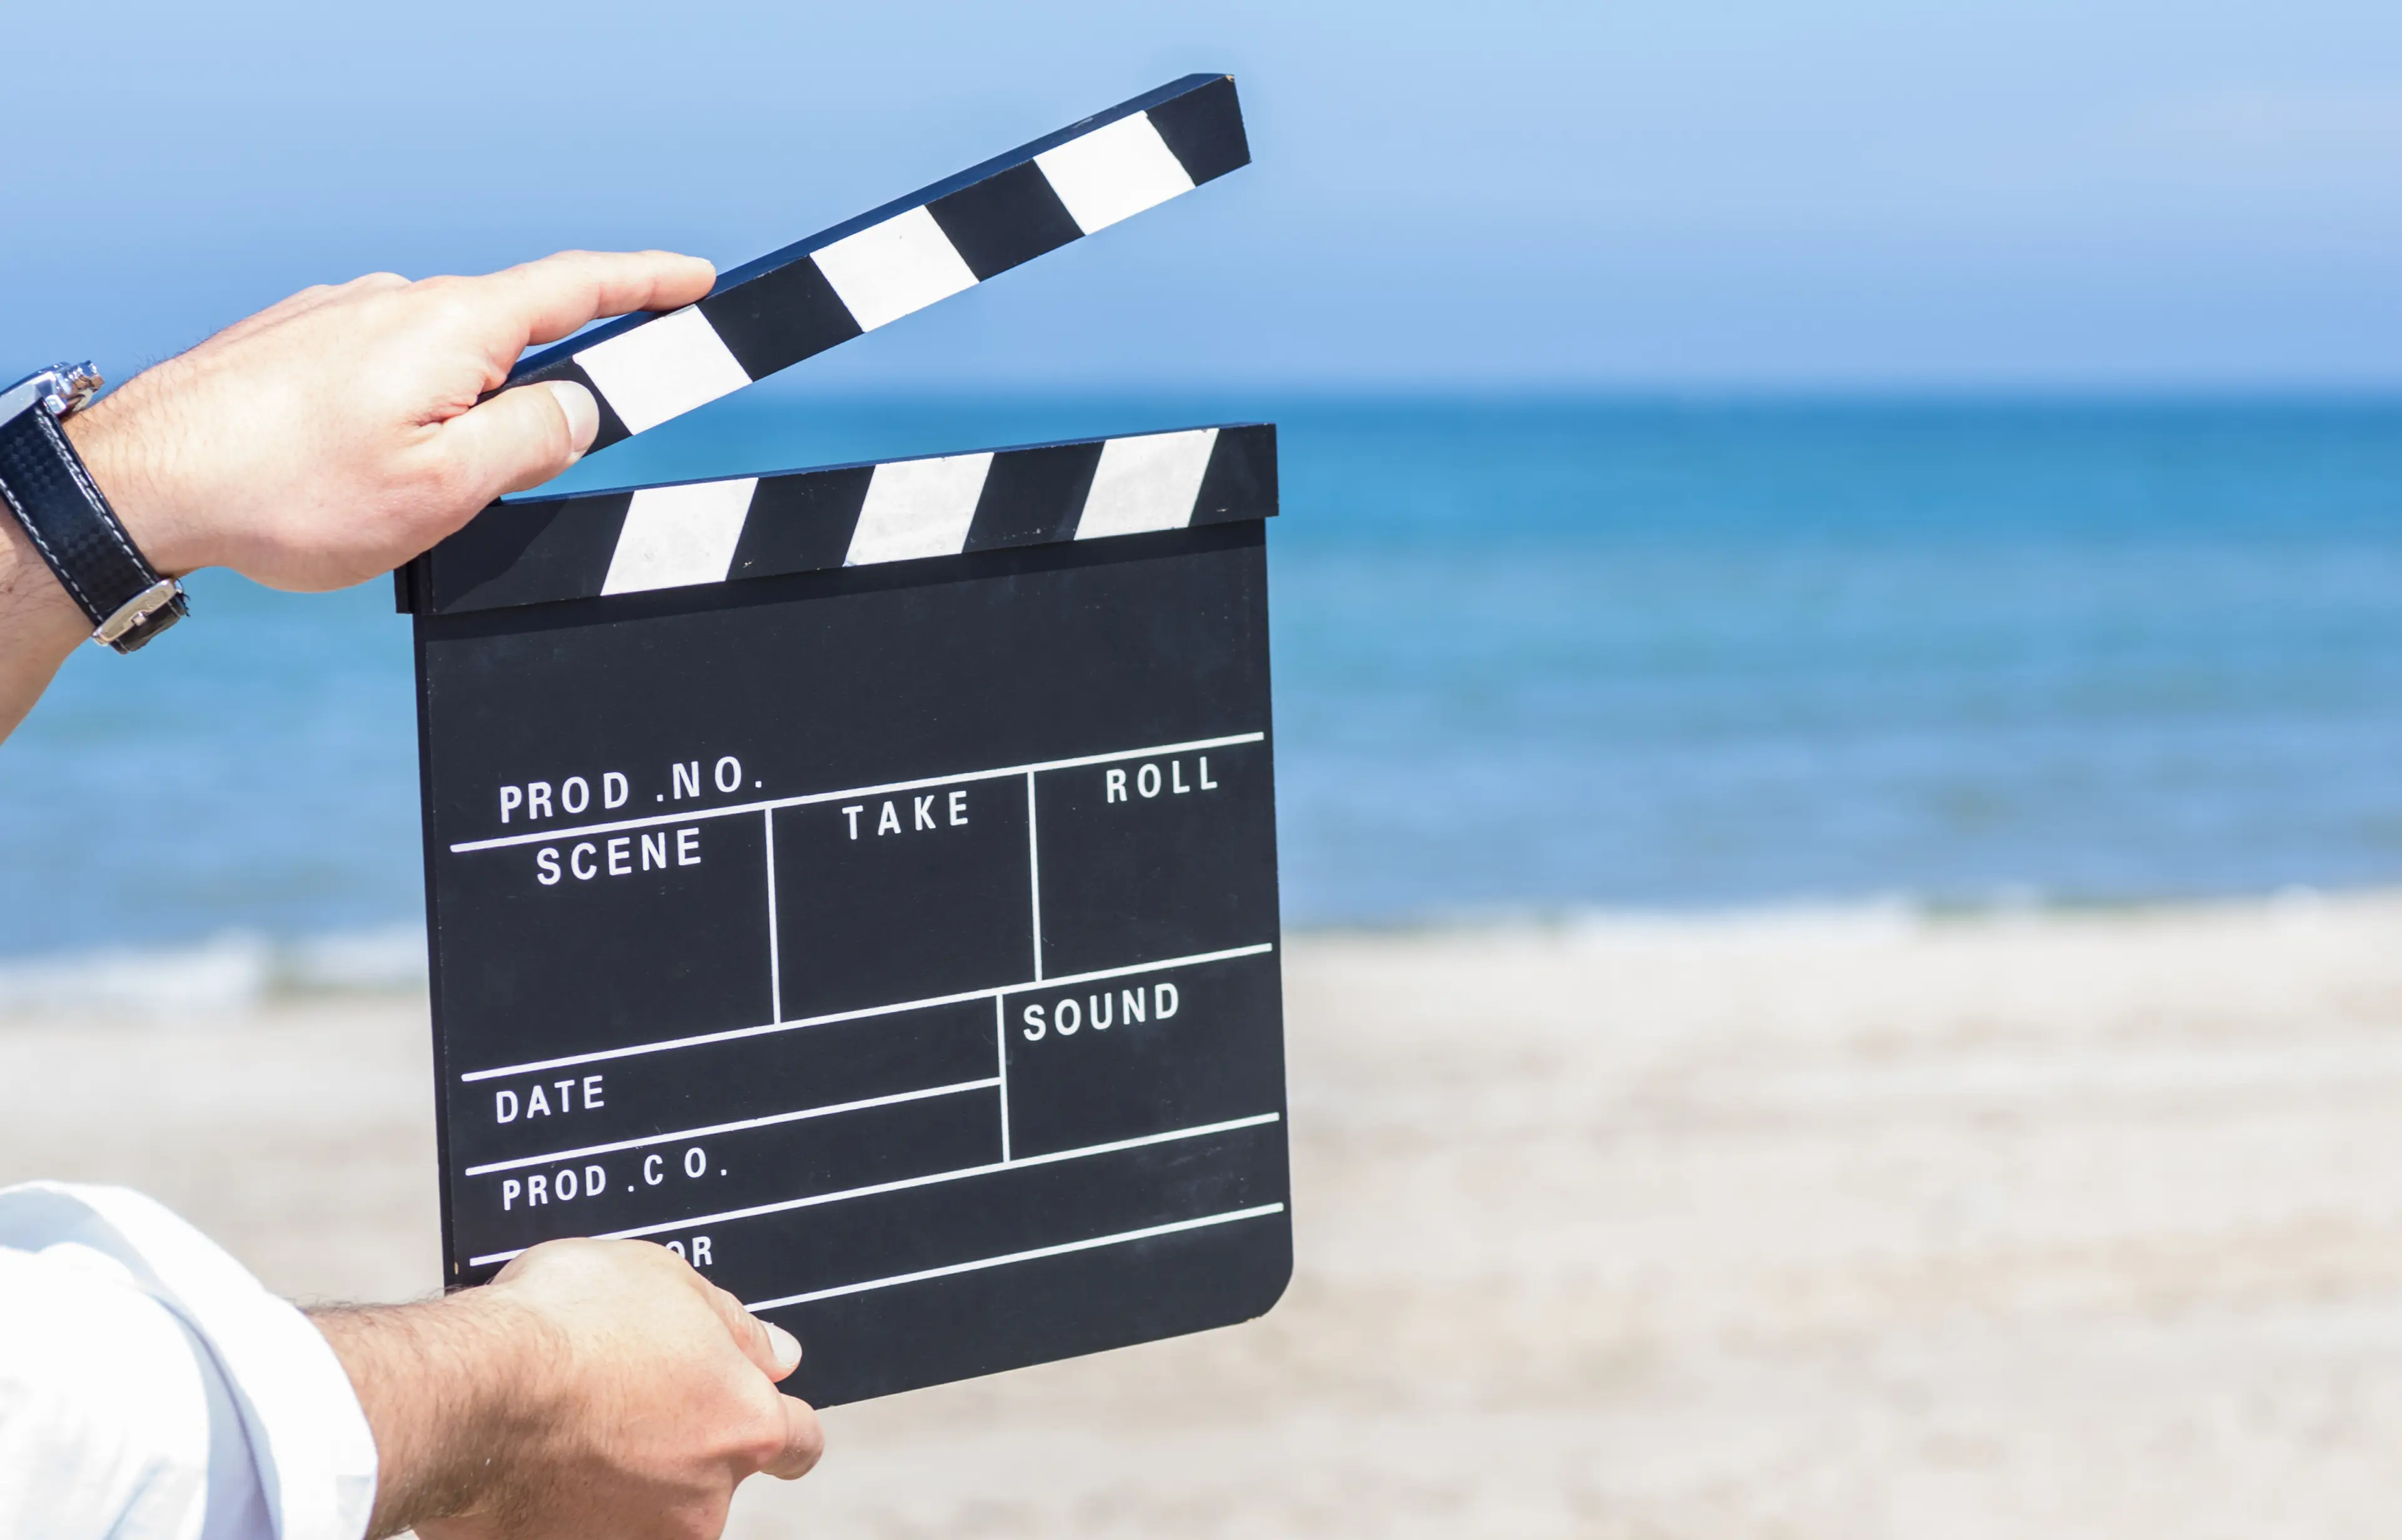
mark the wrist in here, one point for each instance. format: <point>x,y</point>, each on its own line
<point>36,616</point>
<point>462,1396</point>
<point>124,453</point>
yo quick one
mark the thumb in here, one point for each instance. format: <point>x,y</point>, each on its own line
<point>774,1349</point>
<point>523,437</point>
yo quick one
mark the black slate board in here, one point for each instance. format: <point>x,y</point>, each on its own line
<point>897,942</point>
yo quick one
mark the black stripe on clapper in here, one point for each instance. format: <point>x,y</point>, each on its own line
<point>1032,496</point>
<point>1005,220</point>
<point>1204,130</point>
<point>1241,480</point>
<point>780,318</point>
<point>526,553</point>
<point>802,522</point>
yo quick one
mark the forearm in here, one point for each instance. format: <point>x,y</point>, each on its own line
<point>451,1388</point>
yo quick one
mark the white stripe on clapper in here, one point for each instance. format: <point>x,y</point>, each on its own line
<point>917,508</point>
<point>1117,171</point>
<point>677,536</point>
<point>886,271</point>
<point>1146,483</point>
<point>663,369</point>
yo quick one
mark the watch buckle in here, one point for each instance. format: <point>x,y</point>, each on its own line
<point>133,612</point>
<point>69,388</point>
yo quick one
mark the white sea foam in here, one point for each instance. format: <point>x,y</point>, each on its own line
<point>230,971</point>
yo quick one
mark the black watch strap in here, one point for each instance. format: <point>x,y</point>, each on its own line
<point>70,522</point>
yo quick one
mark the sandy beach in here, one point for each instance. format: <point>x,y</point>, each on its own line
<point>1859,1223</point>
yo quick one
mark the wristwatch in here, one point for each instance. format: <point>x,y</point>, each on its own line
<point>53,496</point>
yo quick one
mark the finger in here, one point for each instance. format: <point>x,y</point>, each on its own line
<point>520,438</point>
<point>803,1442</point>
<point>775,1351</point>
<point>552,298</point>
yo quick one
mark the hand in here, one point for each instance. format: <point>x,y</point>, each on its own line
<point>599,1390</point>
<point>333,437</point>
<point>329,439</point>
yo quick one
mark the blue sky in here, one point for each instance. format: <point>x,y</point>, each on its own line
<point>1692,196</point>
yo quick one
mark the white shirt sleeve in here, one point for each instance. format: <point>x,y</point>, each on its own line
<point>151,1390</point>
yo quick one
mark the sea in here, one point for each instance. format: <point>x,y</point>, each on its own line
<point>1535,657</point>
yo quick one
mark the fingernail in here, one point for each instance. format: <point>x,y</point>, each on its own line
<point>787,1347</point>
<point>583,414</point>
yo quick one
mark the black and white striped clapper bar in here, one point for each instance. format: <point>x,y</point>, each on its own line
<point>862,879</point>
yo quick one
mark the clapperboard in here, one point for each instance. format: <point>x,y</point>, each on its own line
<point>862,879</point>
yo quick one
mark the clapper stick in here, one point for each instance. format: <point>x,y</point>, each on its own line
<point>539,550</point>
<point>792,304</point>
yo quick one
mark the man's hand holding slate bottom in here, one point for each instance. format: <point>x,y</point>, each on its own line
<point>594,1388</point>
<point>328,439</point>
